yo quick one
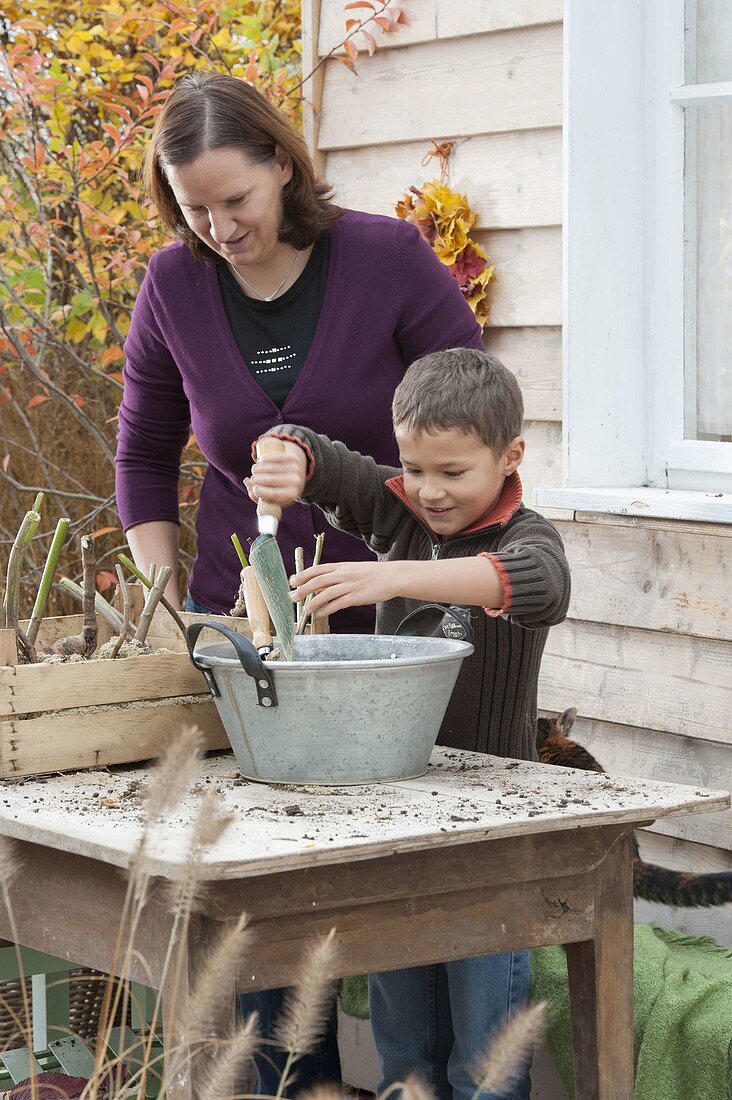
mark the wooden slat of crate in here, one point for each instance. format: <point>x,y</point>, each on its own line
<point>67,741</point>
<point>164,633</point>
<point>29,689</point>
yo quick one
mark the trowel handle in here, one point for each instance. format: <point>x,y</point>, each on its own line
<point>269,446</point>
<point>257,610</point>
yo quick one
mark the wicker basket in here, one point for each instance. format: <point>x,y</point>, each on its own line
<point>11,1009</point>
<point>86,993</point>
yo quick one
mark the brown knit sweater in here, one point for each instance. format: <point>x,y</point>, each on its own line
<point>493,706</point>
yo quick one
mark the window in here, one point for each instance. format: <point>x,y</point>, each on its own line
<point>648,258</point>
<point>706,101</point>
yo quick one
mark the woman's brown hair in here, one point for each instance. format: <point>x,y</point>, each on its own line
<point>207,110</point>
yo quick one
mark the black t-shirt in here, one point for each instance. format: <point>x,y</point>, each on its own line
<point>274,338</point>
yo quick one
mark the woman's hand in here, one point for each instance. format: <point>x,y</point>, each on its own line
<point>279,478</point>
<point>348,584</point>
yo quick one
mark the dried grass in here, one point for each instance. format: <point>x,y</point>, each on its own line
<point>509,1050</point>
<point>308,1004</point>
<point>9,862</point>
<point>232,1057</point>
<point>173,774</point>
<point>213,984</point>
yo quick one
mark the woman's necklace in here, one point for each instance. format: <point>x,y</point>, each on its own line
<point>275,292</point>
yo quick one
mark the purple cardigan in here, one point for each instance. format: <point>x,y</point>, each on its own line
<point>388,301</point>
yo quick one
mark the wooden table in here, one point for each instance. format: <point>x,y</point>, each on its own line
<point>479,855</point>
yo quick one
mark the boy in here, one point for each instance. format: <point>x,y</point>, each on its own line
<point>451,529</point>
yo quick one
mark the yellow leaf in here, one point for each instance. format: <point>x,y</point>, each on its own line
<point>76,330</point>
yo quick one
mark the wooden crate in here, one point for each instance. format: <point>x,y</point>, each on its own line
<point>69,716</point>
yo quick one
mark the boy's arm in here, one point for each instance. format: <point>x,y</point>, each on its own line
<point>348,584</point>
<point>348,486</point>
<point>534,574</point>
<point>527,579</point>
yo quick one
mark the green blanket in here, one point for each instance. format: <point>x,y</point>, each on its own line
<point>683,1014</point>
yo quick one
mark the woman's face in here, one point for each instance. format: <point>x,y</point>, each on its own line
<point>231,204</point>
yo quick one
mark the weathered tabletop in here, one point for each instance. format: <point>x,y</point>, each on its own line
<point>464,797</point>
<point>479,855</point>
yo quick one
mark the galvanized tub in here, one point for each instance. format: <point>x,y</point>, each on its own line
<point>351,708</point>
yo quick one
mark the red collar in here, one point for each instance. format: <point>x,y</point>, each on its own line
<point>505,507</point>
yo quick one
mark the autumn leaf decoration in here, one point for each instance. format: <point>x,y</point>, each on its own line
<point>380,13</point>
<point>444,219</point>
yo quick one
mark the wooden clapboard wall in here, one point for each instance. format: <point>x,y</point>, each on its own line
<point>486,74</point>
<point>645,653</point>
<point>645,656</point>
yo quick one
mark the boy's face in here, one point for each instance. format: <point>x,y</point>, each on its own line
<point>452,479</point>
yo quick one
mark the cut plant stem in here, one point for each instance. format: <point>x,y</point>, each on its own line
<point>84,643</point>
<point>240,551</point>
<point>299,566</point>
<point>27,649</point>
<point>22,541</point>
<point>49,570</point>
<point>90,630</point>
<point>302,622</point>
<point>154,597</point>
<point>103,608</point>
<point>121,637</point>
<point>140,576</point>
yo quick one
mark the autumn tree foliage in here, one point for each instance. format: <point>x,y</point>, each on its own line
<point>80,86</point>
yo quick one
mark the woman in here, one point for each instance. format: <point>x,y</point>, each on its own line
<point>273,306</point>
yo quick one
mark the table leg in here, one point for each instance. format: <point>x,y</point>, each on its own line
<point>186,1080</point>
<point>601,985</point>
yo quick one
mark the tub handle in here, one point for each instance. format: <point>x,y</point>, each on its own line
<point>249,659</point>
<point>427,618</point>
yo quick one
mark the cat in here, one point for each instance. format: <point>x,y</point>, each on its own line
<point>650,882</point>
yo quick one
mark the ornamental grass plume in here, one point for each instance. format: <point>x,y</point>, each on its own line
<point>173,773</point>
<point>185,894</point>
<point>9,868</point>
<point>9,864</point>
<point>307,1006</point>
<point>509,1050</point>
<point>212,985</point>
<point>324,1092</point>
<point>230,1059</point>
<point>170,779</point>
<point>414,1088</point>
<point>209,825</point>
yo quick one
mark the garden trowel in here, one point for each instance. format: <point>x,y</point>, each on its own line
<point>269,569</point>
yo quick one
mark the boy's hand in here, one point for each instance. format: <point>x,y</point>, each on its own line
<point>347,584</point>
<point>279,478</point>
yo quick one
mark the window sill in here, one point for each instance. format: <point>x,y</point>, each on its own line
<point>640,501</point>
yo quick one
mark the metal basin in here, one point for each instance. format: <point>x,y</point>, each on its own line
<point>350,708</point>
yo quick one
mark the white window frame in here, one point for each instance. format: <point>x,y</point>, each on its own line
<point>623,334</point>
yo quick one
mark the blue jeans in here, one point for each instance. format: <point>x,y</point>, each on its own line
<point>437,1020</point>
<point>323,1064</point>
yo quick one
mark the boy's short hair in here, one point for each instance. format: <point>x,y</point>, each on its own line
<point>460,388</point>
